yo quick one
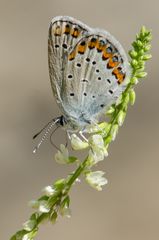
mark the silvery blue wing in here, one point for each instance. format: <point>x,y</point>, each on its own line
<point>88,70</point>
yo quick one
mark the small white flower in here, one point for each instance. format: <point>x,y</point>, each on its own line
<point>78,180</point>
<point>95,157</point>
<point>26,237</point>
<point>77,143</point>
<point>48,191</point>
<point>62,156</point>
<point>96,179</point>
<point>98,151</point>
<point>43,207</point>
<point>29,225</point>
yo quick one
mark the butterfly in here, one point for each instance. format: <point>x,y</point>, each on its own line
<point>88,71</point>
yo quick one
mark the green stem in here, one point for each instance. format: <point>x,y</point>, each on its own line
<point>76,174</point>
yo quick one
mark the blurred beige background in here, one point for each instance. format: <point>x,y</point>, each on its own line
<point>128,207</point>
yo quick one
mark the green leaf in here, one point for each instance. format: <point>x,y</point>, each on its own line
<point>72,159</point>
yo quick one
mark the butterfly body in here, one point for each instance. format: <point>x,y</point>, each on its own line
<point>88,70</point>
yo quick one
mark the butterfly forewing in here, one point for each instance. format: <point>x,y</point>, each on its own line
<point>88,69</point>
<point>64,33</point>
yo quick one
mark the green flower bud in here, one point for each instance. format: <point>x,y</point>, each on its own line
<point>139,43</point>
<point>121,117</point>
<point>134,63</point>
<point>147,57</point>
<point>132,96</point>
<point>126,99</point>
<point>107,140</point>
<point>147,48</point>
<point>141,74</point>
<point>110,110</point>
<point>143,31</point>
<point>114,131</point>
<point>134,80</point>
<point>133,54</point>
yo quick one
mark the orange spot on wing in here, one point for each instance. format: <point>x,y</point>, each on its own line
<point>82,48</point>
<point>100,46</point>
<point>106,55</point>
<point>72,55</point>
<point>119,75</point>
<point>67,29</point>
<point>92,43</point>
<point>57,31</point>
<point>112,64</point>
<point>75,32</point>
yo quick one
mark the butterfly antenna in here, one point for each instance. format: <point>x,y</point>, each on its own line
<point>37,134</point>
<point>53,122</point>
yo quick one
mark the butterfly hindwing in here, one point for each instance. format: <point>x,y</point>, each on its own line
<point>94,76</point>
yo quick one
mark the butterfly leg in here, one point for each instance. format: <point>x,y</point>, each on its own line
<point>69,132</point>
<point>81,134</point>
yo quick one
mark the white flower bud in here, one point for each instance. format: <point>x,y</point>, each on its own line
<point>77,143</point>
<point>43,207</point>
<point>62,156</point>
<point>48,191</point>
<point>29,225</point>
